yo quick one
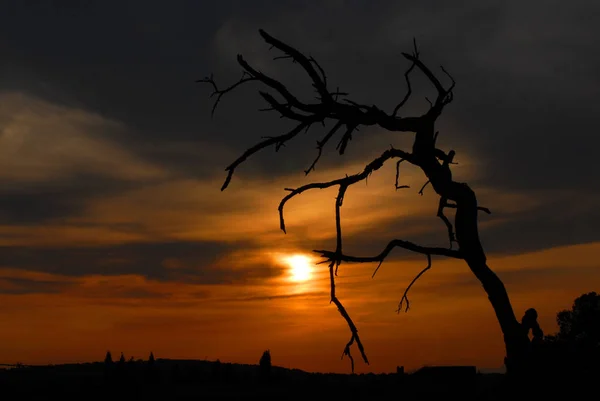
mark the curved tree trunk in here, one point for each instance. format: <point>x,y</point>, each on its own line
<point>516,338</point>
<point>434,162</point>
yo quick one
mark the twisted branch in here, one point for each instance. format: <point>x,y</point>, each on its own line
<point>347,181</point>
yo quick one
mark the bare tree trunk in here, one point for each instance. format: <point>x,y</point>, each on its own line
<point>516,337</point>
<point>434,162</point>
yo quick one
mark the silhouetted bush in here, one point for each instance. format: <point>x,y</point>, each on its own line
<point>581,324</point>
<point>265,364</point>
<point>575,348</point>
<point>151,370</point>
<point>108,366</point>
<point>151,359</point>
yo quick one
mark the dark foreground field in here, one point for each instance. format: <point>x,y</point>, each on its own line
<point>204,380</point>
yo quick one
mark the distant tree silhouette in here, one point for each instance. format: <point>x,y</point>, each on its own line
<point>265,364</point>
<point>108,358</point>
<point>334,106</point>
<point>121,369</point>
<point>581,324</point>
<point>576,346</point>
<point>108,366</point>
<point>151,359</point>
<point>151,370</point>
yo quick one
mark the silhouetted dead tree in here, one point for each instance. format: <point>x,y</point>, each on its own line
<point>434,162</point>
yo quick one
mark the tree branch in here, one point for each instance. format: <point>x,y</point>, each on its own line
<point>347,112</point>
<point>347,137</point>
<point>338,257</point>
<point>338,222</point>
<point>347,181</point>
<point>407,79</point>
<point>398,176</point>
<point>321,144</point>
<point>440,213</point>
<point>483,209</point>
<point>278,141</point>
<point>445,96</point>
<point>410,246</point>
<point>353,330</point>
<point>319,82</point>
<point>219,93</point>
<point>352,115</point>
<point>332,273</point>
<point>405,295</point>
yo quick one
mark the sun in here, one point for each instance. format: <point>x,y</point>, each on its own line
<point>300,267</point>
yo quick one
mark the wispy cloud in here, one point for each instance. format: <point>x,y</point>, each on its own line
<point>41,142</point>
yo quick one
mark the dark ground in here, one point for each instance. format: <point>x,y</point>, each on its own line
<point>204,380</point>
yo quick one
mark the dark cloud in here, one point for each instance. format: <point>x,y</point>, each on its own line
<point>134,61</point>
<point>518,80</point>
<point>311,294</point>
<point>192,262</point>
<point>103,289</point>
<point>559,221</point>
<point>22,286</point>
<point>526,277</point>
<point>528,85</point>
<point>527,93</point>
<point>521,281</point>
<point>38,203</point>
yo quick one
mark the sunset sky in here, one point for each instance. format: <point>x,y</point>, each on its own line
<point>114,234</point>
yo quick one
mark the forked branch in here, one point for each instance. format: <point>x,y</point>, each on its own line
<point>321,144</point>
<point>415,55</point>
<point>410,246</point>
<point>404,300</point>
<point>353,330</point>
<point>220,92</point>
<point>332,273</point>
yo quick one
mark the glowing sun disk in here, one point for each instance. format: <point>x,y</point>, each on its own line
<point>300,267</point>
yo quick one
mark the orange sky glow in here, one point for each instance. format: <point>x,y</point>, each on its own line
<point>115,234</point>
<point>282,303</point>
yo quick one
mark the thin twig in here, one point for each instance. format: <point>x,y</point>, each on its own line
<point>405,295</point>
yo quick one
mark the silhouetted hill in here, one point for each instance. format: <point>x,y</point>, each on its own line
<point>171,379</point>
